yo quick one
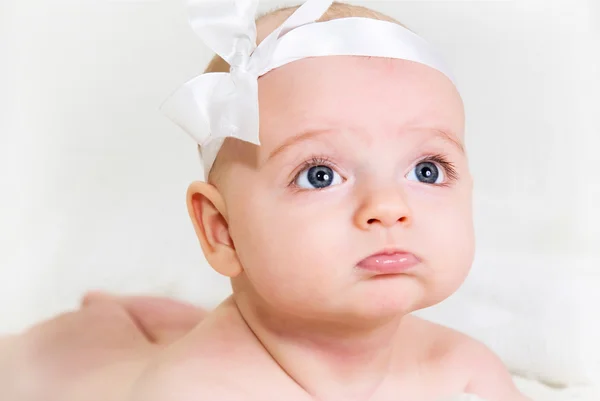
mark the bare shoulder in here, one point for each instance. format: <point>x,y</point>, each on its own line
<point>469,362</point>
<point>207,364</point>
<point>488,376</point>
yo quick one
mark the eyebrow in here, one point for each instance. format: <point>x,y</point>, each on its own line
<point>450,138</point>
<point>311,134</point>
<point>301,137</point>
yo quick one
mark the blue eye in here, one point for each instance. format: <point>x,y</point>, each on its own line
<point>427,172</point>
<point>317,177</point>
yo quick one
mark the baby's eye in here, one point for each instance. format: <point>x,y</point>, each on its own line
<point>427,172</point>
<point>317,177</point>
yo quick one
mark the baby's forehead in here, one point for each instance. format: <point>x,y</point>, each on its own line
<point>356,94</point>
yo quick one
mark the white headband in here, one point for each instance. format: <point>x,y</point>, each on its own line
<point>214,106</point>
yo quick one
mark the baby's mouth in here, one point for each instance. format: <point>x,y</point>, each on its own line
<point>389,262</point>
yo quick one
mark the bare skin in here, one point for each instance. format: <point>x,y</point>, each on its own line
<point>141,327</point>
<point>438,364</point>
<point>305,322</point>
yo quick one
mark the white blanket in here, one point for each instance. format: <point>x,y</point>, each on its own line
<point>539,392</point>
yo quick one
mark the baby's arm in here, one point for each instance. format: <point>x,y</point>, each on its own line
<point>489,378</point>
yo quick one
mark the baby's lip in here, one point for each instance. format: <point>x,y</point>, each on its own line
<point>389,261</point>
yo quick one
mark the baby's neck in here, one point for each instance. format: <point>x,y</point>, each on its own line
<point>328,361</point>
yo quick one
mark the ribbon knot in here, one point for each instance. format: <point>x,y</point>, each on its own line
<point>240,60</point>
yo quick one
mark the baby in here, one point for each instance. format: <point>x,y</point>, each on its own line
<point>354,211</point>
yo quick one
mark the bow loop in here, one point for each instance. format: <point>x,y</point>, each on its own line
<point>227,27</point>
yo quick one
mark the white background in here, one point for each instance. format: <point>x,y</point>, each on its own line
<point>93,177</point>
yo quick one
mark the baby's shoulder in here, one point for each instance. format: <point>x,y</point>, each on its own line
<point>439,351</point>
<point>452,356</point>
<point>208,363</point>
<point>440,346</point>
<point>433,342</point>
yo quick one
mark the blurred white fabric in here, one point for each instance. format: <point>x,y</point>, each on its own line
<point>93,178</point>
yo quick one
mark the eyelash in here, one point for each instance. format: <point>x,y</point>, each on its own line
<point>441,160</point>
<point>448,166</point>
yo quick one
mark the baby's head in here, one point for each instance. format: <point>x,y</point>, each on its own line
<point>358,156</point>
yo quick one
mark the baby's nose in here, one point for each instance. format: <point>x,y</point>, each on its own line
<point>383,207</point>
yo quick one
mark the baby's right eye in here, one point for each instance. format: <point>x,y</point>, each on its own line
<point>317,177</point>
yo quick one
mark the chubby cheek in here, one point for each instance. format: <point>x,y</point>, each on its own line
<point>291,257</point>
<point>452,249</point>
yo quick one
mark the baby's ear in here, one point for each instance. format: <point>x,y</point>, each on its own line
<point>208,213</point>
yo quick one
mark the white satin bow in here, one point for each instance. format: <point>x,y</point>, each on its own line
<point>214,106</point>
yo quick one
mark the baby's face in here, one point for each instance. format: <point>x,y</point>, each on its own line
<point>357,155</point>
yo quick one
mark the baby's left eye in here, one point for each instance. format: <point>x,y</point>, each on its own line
<point>318,177</point>
<point>427,172</point>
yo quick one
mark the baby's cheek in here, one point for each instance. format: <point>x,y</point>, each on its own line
<point>453,248</point>
<point>292,260</point>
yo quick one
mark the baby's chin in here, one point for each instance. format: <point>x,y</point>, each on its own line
<point>374,300</point>
<point>388,296</point>
<point>364,302</point>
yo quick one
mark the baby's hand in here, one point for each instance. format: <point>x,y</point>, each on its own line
<point>94,353</point>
